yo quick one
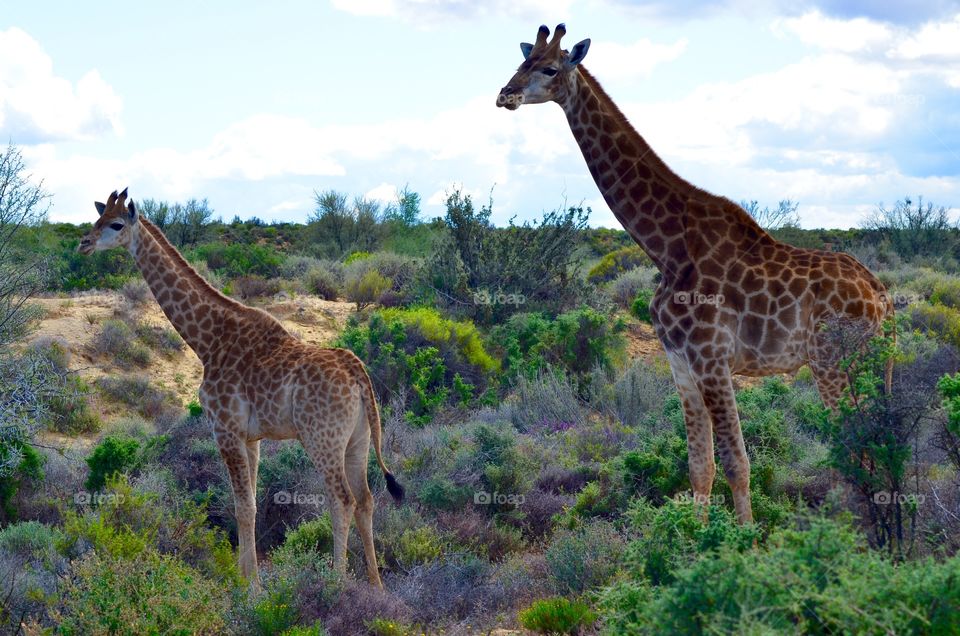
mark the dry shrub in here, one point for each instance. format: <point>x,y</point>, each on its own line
<point>255,287</point>
<point>136,292</point>
<point>360,603</point>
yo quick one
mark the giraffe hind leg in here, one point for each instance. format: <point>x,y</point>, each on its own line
<point>329,461</point>
<point>358,451</point>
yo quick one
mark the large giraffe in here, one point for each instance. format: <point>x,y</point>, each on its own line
<point>259,382</point>
<point>731,299</point>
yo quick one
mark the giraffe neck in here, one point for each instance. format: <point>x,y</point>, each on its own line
<point>195,309</point>
<point>645,195</point>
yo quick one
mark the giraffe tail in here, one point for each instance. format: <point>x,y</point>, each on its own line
<point>373,419</point>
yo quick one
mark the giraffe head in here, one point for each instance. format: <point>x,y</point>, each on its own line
<point>116,226</point>
<point>547,72</point>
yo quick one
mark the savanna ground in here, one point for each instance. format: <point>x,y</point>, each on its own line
<point>527,409</point>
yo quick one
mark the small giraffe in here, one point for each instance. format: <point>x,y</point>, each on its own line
<point>259,382</point>
<point>732,299</point>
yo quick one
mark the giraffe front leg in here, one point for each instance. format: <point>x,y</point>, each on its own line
<point>720,401</point>
<point>234,453</point>
<point>703,468</point>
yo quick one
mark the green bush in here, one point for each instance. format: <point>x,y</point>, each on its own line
<point>128,522</point>
<point>435,360</point>
<point>365,289</point>
<point>641,305</point>
<point>108,269</point>
<point>111,456</point>
<point>440,493</point>
<point>617,262</point>
<point>946,292</point>
<point>506,470</point>
<point>276,612</point>
<point>149,593</point>
<point>671,536</point>
<point>387,627</point>
<point>30,537</point>
<point>534,266</point>
<point>28,469</point>
<point>939,321</point>
<point>556,616</point>
<point>314,535</point>
<point>239,259</point>
<point>417,546</point>
<point>583,559</point>
<point>576,341</point>
<point>322,282</point>
<point>817,579</point>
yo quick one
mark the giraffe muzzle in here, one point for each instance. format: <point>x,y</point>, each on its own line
<point>509,98</point>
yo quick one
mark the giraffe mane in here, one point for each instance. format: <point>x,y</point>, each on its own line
<point>736,211</point>
<point>185,267</point>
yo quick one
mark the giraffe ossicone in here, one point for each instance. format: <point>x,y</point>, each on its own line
<point>732,299</point>
<point>260,382</point>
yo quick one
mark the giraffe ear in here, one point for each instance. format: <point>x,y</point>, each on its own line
<point>100,207</point>
<point>526,48</point>
<point>577,53</point>
<point>132,211</point>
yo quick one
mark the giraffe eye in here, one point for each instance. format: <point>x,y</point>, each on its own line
<point>549,72</point>
<point>116,226</point>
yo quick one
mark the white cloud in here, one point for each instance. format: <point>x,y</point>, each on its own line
<point>806,106</point>
<point>432,12</point>
<point>385,193</point>
<point>37,106</point>
<point>620,61</point>
<point>934,41</point>
<point>496,147</point>
<point>833,34</point>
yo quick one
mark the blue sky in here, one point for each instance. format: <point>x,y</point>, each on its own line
<point>838,105</point>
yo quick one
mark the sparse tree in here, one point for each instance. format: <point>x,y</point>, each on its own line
<point>784,215</point>
<point>332,218</point>
<point>406,209</point>
<point>22,203</point>
<point>23,379</point>
<point>157,212</point>
<point>914,230</point>
<point>339,227</point>
<point>366,217</point>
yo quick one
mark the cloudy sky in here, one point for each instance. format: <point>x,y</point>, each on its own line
<point>838,105</point>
